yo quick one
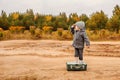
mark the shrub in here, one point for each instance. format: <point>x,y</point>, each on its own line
<point>55,35</point>
<point>32,29</point>
<point>47,29</point>
<point>7,35</point>
<point>27,34</point>
<point>59,31</point>
<point>38,33</point>
<point>61,34</point>
<point>66,35</point>
<point>1,29</point>
<point>102,35</point>
<point>17,29</point>
<point>1,35</point>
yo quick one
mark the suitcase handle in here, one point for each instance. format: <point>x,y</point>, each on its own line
<point>76,67</point>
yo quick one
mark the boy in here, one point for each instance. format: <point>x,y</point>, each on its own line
<point>78,29</point>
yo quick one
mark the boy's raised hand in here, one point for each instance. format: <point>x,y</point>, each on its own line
<point>73,26</point>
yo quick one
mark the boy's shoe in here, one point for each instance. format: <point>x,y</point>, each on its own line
<point>81,62</point>
<point>77,62</point>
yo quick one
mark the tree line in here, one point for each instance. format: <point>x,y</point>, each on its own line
<point>96,21</point>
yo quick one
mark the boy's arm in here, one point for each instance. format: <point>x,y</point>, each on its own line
<point>72,29</point>
<point>86,39</point>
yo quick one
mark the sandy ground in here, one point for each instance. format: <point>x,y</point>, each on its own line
<point>46,60</point>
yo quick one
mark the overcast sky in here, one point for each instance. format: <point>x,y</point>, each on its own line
<point>54,7</point>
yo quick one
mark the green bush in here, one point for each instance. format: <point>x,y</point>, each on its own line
<point>32,30</point>
<point>1,35</point>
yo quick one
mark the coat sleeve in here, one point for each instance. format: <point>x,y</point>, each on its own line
<point>86,39</point>
<point>72,30</point>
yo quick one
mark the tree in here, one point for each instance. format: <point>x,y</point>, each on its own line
<point>60,21</point>
<point>114,22</point>
<point>97,21</point>
<point>28,19</point>
<point>84,17</point>
<point>39,20</point>
<point>73,18</point>
<point>14,20</point>
<point>4,20</point>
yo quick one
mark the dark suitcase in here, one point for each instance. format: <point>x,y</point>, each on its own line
<point>73,66</point>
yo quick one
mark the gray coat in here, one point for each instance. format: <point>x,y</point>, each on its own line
<point>79,38</point>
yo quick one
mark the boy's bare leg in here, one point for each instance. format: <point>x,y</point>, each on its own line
<point>81,61</point>
<point>77,59</point>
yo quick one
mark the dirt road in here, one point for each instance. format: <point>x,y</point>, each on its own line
<point>45,60</point>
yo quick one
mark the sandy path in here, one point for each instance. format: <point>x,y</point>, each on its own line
<point>46,68</point>
<point>45,60</point>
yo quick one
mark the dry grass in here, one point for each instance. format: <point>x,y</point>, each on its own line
<point>60,34</point>
<point>103,35</point>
